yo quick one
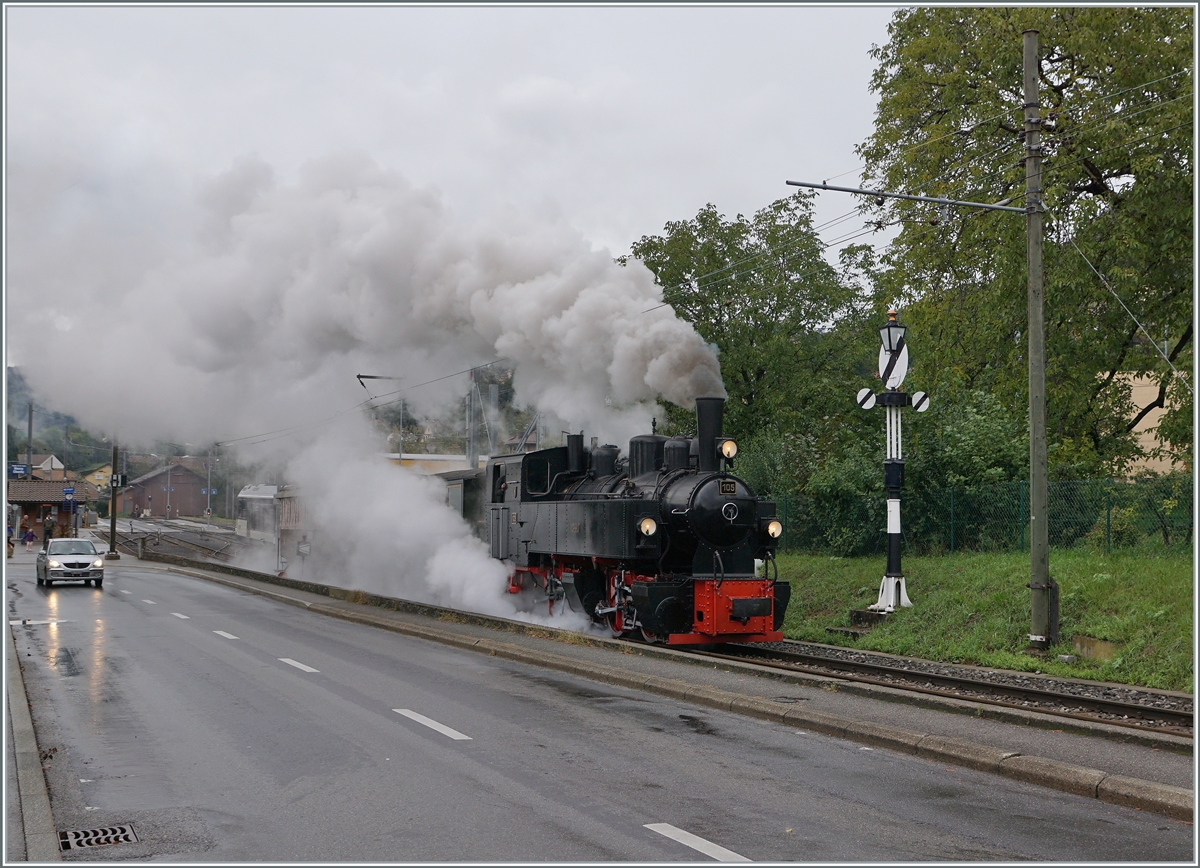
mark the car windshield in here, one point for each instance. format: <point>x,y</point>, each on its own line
<point>71,547</point>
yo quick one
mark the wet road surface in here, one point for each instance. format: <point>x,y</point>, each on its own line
<point>225,726</point>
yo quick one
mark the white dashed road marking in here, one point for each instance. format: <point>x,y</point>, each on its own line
<point>27,621</point>
<point>433,724</point>
<point>223,633</point>
<point>123,591</point>
<point>290,662</point>
<point>177,615</point>
<point>151,602</point>
<point>708,848</point>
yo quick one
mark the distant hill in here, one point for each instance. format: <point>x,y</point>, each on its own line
<point>17,410</point>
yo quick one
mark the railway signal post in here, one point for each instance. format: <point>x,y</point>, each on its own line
<point>1043,590</point>
<point>893,366</point>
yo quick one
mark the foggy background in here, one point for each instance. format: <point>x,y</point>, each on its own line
<point>236,210</point>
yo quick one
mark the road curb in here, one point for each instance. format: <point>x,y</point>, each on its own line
<point>41,838</point>
<point>1175,802</point>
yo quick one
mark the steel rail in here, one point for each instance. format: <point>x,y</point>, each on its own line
<point>130,541</point>
<point>815,664</point>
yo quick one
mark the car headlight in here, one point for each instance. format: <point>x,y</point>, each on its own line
<point>53,564</point>
<point>648,526</point>
<point>728,448</point>
<point>775,528</point>
<point>98,562</point>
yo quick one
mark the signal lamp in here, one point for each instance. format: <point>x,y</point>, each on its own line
<point>728,448</point>
<point>775,528</point>
<point>648,526</point>
<point>892,333</point>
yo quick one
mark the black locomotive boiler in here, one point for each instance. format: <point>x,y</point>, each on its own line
<point>661,543</point>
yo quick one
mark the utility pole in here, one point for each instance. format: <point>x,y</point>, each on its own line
<point>208,491</point>
<point>493,417</point>
<point>472,444</point>
<point>29,446</point>
<point>1043,591</point>
<point>112,554</point>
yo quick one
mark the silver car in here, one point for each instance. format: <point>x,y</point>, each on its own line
<point>70,560</point>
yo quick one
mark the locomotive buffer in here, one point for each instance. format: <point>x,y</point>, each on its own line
<point>893,366</point>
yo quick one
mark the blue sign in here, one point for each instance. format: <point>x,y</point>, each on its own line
<point>69,490</point>
<point>18,469</point>
<point>172,488</point>
<point>208,491</point>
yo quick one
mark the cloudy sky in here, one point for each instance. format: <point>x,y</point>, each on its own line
<point>158,160</point>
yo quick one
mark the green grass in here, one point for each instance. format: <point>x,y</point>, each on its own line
<point>974,608</point>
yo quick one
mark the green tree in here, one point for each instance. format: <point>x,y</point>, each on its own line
<point>1116,90</point>
<point>788,324</point>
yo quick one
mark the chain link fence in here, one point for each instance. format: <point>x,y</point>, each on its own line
<point>1104,513</point>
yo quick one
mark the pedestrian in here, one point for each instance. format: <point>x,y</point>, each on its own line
<point>29,538</point>
<point>47,529</point>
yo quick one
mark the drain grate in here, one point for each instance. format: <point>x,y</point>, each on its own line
<point>96,837</point>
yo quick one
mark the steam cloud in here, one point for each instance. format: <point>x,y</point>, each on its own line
<point>251,309</point>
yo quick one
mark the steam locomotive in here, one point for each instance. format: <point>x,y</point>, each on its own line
<point>662,544</point>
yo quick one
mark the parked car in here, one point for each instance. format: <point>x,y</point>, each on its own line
<point>70,560</point>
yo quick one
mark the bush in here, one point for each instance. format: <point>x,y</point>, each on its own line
<point>1120,528</point>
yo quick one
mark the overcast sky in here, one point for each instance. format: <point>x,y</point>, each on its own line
<point>609,121</point>
<point>617,119</point>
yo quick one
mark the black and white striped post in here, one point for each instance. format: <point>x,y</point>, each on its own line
<point>893,366</point>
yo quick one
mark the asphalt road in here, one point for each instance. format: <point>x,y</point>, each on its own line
<point>226,726</point>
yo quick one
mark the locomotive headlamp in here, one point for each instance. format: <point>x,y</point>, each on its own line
<point>775,528</point>
<point>728,448</point>
<point>648,526</point>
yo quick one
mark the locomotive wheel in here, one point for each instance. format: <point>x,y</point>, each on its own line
<point>648,637</point>
<point>590,602</point>
<point>611,620</point>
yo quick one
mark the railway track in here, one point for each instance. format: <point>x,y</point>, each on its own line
<point>221,551</point>
<point>1114,704</point>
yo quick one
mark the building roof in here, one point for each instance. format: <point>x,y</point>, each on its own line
<point>161,471</point>
<point>56,474</point>
<point>258,491</point>
<point>45,491</point>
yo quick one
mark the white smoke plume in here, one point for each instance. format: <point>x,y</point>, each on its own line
<point>251,307</point>
<point>283,292</point>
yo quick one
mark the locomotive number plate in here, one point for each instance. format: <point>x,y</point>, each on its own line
<point>728,486</point>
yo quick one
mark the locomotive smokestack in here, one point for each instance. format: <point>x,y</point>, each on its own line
<point>708,429</point>
<point>575,453</point>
